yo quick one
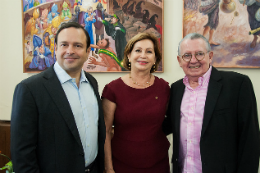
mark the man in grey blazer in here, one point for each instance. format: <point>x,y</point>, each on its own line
<point>57,122</point>
<point>212,115</point>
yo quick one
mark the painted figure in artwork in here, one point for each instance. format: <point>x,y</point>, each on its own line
<point>117,31</point>
<point>53,13</point>
<point>108,56</point>
<point>25,5</point>
<point>36,3</point>
<point>29,56</point>
<point>43,20</point>
<point>31,26</point>
<point>138,10</point>
<point>76,11</point>
<point>130,9</point>
<point>146,16</point>
<point>50,33</point>
<point>28,47</point>
<point>125,6</point>
<point>65,13</point>
<point>89,19</point>
<point>253,9</point>
<point>31,2</point>
<point>41,56</point>
<point>210,8</point>
<point>99,26</point>
<point>152,22</point>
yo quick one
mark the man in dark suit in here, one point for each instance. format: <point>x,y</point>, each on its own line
<point>212,115</point>
<point>57,122</point>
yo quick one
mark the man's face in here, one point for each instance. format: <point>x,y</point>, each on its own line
<point>71,49</point>
<point>114,20</point>
<point>194,69</point>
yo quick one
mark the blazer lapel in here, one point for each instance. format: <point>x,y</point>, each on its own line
<point>101,122</point>
<point>214,89</point>
<point>177,106</point>
<point>93,84</point>
<point>58,95</point>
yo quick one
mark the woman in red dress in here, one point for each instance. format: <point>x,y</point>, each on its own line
<point>136,105</point>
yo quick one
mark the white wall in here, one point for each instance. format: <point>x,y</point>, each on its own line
<point>11,51</point>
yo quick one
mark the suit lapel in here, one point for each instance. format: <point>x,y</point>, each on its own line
<point>93,84</point>
<point>58,95</point>
<point>101,123</point>
<point>177,106</point>
<point>214,89</point>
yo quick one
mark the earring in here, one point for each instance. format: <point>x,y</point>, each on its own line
<point>129,65</point>
<point>153,68</point>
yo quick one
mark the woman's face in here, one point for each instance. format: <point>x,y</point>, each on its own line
<point>142,57</point>
<point>90,11</point>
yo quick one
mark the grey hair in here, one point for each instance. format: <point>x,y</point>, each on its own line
<point>194,36</point>
<point>88,9</point>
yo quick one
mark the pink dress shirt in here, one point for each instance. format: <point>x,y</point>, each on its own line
<point>191,118</point>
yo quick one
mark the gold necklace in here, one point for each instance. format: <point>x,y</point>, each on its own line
<point>136,83</point>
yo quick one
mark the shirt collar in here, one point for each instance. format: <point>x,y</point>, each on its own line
<point>202,80</point>
<point>63,76</point>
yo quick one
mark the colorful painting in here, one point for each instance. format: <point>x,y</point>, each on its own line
<point>231,26</point>
<point>110,24</point>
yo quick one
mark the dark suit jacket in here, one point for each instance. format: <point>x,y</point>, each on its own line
<point>44,136</point>
<point>229,140</point>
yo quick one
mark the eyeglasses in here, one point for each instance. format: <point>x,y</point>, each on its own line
<point>198,55</point>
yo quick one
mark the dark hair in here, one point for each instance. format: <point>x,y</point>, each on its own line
<point>142,36</point>
<point>108,43</point>
<point>73,25</point>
